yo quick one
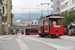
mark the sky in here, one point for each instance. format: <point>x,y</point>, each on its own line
<point>25,6</point>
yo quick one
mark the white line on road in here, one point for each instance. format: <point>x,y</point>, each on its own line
<point>56,46</point>
<point>9,37</point>
<point>19,36</point>
<point>22,44</point>
<point>67,37</point>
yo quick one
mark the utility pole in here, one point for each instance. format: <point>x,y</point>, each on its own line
<point>43,7</point>
<point>29,20</point>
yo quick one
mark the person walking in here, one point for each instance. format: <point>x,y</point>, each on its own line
<point>4,32</point>
<point>22,32</point>
<point>17,31</point>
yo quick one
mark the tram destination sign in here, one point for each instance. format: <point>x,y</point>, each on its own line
<point>56,26</point>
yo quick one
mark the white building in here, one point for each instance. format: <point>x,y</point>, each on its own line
<point>21,25</point>
<point>54,6</point>
<point>3,7</point>
<point>67,5</point>
<point>0,17</point>
<point>33,22</point>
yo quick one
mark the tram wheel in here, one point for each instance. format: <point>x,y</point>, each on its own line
<point>58,36</point>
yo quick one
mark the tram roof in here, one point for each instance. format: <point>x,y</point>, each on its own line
<point>54,16</point>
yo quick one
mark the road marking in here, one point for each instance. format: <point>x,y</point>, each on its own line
<point>19,36</point>
<point>8,38</point>
<point>22,44</point>
<point>56,46</point>
<point>67,37</point>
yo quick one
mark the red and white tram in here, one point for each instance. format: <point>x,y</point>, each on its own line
<point>51,26</point>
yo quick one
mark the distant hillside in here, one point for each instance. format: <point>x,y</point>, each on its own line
<point>25,17</point>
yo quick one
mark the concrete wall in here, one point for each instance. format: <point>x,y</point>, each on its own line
<point>0,24</point>
<point>23,27</point>
<point>0,18</point>
<point>51,7</point>
<point>55,6</point>
<point>3,16</point>
<point>67,5</point>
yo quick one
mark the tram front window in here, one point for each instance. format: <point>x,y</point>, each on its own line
<point>59,22</point>
<point>27,30</point>
<point>54,23</point>
<point>36,30</point>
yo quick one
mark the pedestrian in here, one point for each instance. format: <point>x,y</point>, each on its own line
<point>12,32</point>
<point>22,32</point>
<point>4,32</point>
<point>17,30</point>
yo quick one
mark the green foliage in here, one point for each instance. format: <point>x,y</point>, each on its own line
<point>68,17</point>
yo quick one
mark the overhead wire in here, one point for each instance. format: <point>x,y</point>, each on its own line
<point>27,8</point>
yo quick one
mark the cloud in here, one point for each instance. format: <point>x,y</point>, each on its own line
<point>18,5</point>
<point>25,6</point>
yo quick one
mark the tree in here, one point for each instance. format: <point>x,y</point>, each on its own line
<point>69,16</point>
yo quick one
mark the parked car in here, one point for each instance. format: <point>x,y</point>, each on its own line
<point>71,32</point>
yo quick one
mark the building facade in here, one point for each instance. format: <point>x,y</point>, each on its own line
<point>8,17</point>
<point>21,25</point>
<point>0,17</point>
<point>3,16</point>
<point>67,5</point>
<point>55,6</point>
<point>51,6</point>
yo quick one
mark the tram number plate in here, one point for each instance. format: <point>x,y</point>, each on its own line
<point>56,26</point>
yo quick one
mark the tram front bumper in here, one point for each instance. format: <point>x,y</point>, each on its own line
<point>57,34</point>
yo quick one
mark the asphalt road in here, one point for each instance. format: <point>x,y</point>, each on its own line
<point>34,42</point>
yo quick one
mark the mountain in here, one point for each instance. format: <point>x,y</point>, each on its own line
<point>34,15</point>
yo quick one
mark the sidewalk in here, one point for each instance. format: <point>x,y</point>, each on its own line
<point>3,36</point>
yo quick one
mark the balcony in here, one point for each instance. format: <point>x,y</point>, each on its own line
<point>68,8</point>
<point>65,1</point>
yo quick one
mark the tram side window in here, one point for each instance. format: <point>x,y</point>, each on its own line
<point>50,22</point>
<point>27,30</point>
